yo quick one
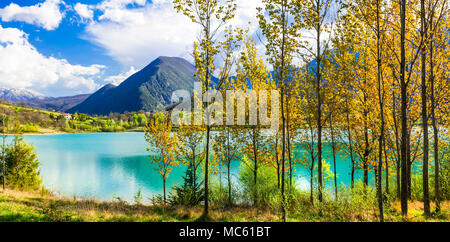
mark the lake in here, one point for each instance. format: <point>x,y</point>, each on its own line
<point>101,165</point>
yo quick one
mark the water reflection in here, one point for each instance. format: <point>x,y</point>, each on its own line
<point>100,165</point>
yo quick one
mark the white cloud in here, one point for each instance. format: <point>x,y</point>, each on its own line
<point>84,11</point>
<point>22,66</point>
<point>136,35</point>
<point>116,80</point>
<point>46,15</point>
<point>245,13</point>
<point>113,4</point>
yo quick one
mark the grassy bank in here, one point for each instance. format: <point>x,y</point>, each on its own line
<point>34,207</point>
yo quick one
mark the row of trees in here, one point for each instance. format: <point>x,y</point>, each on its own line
<point>114,122</point>
<point>31,120</point>
<point>367,77</point>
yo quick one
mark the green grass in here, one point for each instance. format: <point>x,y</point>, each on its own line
<point>33,207</point>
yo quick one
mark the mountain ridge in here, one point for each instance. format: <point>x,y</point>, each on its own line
<point>149,89</point>
<point>20,95</point>
<point>59,104</point>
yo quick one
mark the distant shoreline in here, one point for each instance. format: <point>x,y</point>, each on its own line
<point>60,133</point>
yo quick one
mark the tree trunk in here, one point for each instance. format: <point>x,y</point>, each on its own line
<point>230,201</point>
<point>409,165</point>
<point>386,171</point>
<point>278,176</point>
<point>291,167</point>
<point>426,195</point>
<point>381,102</point>
<point>397,145</point>
<point>208,127</point>
<point>283,155</point>
<point>311,183</point>
<point>164,188</point>
<point>283,158</point>
<point>365,158</point>
<point>3,154</point>
<point>208,137</point>
<point>404,106</point>
<point>255,170</point>
<point>335,172</point>
<point>366,131</point>
<point>194,166</point>
<point>289,141</point>
<point>350,143</point>
<point>311,168</point>
<point>278,162</point>
<point>433,123</point>
<point>333,146</point>
<point>319,107</point>
<point>4,164</point>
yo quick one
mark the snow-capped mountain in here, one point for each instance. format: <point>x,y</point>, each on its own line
<point>20,95</point>
<point>40,101</point>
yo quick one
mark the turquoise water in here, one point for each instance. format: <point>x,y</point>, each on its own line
<point>106,164</point>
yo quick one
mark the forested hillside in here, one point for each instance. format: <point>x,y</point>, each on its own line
<point>24,119</point>
<point>149,90</point>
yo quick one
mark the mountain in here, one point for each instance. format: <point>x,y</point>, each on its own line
<point>59,104</point>
<point>150,89</point>
<point>37,100</point>
<point>18,95</point>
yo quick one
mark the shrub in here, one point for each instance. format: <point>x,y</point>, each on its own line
<point>266,185</point>
<point>22,166</point>
<point>417,186</point>
<point>138,197</point>
<point>157,200</point>
<point>444,176</point>
<point>188,194</point>
<point>219,194</point>
<point>27,128</point>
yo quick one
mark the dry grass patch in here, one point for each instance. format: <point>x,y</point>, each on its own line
<point>35,206</point>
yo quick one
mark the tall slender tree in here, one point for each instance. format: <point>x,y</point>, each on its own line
<point>190,152</point>
<point>426,195</point>
<point>315,15</point>
<point>211,15</point>
<point>162,145</point>
<point>438,37</point>
<point>252,75</point>
<point>280,34</point>
<point>404,108</point>
<point>226,150</point>
<point>5,127</point>
<point>308,138</point>
<point>433,120</point>
<point>381,103</point>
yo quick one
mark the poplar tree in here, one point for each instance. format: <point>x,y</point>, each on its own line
<point>404,103</point>
<point>424,33</point>
<point>162,145</point>
<point>315,15</point>
<point>191,153</point>
<point>5,130</point>
<point>439,61</point>
<point>280,34</point>
<point>211,16</point>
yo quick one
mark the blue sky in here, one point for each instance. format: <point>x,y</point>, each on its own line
<point>68,47</point>
<point>63,42</point>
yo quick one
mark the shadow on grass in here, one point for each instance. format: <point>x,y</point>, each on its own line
<point>19,218</point>
<point>204,218</point>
